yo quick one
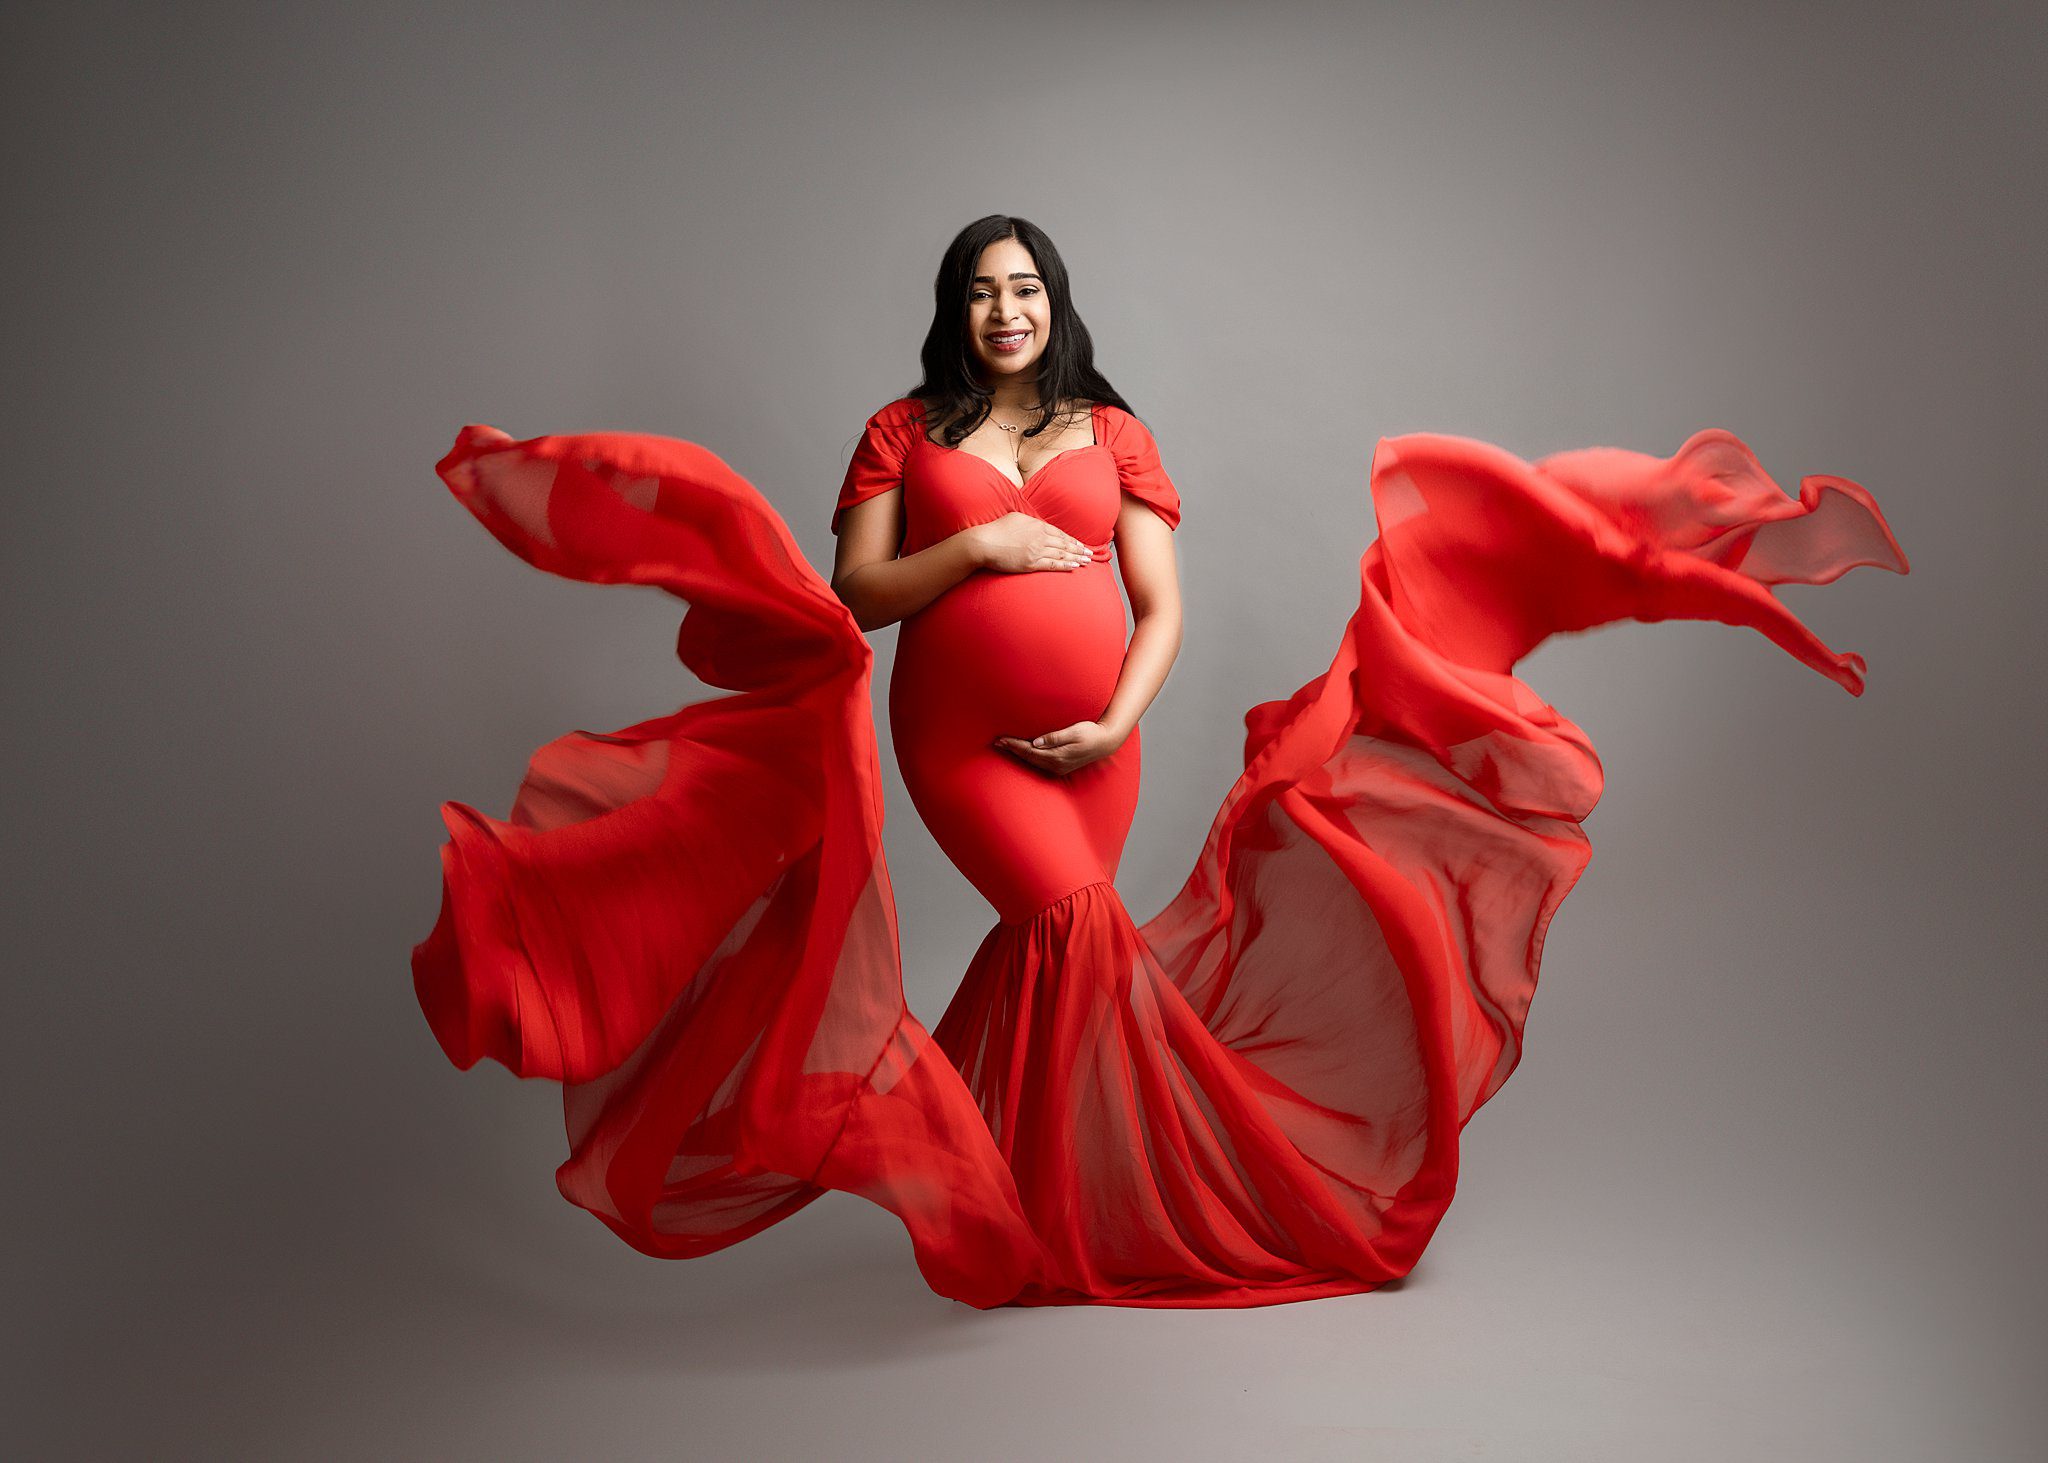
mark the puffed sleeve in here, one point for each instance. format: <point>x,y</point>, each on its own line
<point>877,463</point>
<point>1137,466</point>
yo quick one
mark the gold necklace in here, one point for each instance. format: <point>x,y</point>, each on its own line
<point>1005,426</point>
<point>1016,442</point>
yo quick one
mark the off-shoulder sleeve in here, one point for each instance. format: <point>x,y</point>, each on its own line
<point>877,463</point>
<point>1137,465</point>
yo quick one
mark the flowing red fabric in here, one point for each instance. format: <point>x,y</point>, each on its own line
<point>1253,1097</point>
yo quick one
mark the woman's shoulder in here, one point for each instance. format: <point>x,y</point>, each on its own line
<point>901,412</point>
<point>1120,425</point>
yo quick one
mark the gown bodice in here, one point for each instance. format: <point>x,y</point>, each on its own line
<point>946,489</point>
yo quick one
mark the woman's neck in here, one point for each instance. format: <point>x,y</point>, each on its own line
<point>1011,394</point>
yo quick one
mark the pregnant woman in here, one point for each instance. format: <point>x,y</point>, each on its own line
<point>1254,1096</point>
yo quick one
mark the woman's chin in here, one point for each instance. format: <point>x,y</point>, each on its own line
<point>999,367</point>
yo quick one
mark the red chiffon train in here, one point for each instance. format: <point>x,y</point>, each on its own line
<point>1256,1095</point>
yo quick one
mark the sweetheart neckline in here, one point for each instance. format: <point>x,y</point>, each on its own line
<point>1094,425</point>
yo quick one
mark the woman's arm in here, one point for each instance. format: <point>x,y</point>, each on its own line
<point>1144,555</point>
<point>877,586</point>
<point>880,588</point>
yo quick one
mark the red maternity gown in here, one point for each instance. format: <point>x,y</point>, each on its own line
<point>1254,1096</point>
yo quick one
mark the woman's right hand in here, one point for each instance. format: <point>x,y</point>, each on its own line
<point>1018,541</point>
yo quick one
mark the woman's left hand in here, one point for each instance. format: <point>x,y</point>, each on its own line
<point>1067,750</point>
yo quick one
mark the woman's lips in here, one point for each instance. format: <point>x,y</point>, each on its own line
<point>1008,344</point>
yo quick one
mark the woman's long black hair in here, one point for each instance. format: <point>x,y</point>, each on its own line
<point>1066,369</point>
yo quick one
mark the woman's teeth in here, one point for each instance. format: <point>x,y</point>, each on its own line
<point>1009,342</point>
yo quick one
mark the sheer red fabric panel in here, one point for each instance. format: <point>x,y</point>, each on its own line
<point>688,922</point>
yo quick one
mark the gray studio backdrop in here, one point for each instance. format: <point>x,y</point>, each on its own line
<point>1768,1181</point>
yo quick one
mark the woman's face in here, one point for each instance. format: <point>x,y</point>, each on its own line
<point>1008,315</point>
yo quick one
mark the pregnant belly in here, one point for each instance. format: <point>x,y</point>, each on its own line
<point>1011,654</point>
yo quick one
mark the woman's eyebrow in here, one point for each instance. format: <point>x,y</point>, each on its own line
<point>1014,274</point>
